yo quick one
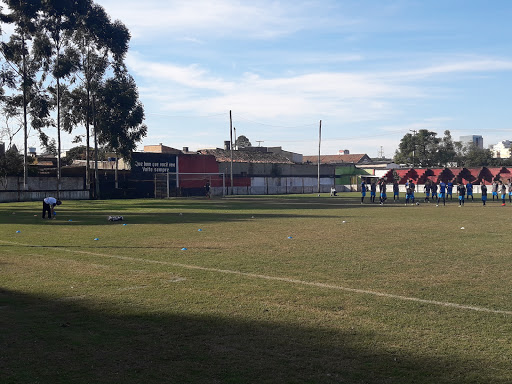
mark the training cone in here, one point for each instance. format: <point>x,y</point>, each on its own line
<point>18,231</point>
<point>183,249</point>
<point>96,239</point>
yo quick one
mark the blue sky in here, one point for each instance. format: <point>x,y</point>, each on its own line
<point>370,70</point>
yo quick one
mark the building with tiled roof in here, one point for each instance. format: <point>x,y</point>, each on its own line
<point>247,155</point>
<point>338,159</point>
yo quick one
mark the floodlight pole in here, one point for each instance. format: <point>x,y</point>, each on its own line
<point>319,144</point>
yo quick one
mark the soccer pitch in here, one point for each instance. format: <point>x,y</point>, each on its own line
<point>261,289</point>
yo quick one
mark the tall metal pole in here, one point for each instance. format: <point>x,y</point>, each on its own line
<point>319,144</point>
<point>231,147</point>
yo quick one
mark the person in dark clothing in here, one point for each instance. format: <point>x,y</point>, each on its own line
<point>396,191</point>
<point>427,191</point>
<point>434,191</point>
<point>484,192</point>
<point>461,190</point>
<point>382,187</point>
<point>373,191</point>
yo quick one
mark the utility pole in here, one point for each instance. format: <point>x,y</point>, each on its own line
<point>319,144</point>
<point>381,152</point>
<point>236,145</point>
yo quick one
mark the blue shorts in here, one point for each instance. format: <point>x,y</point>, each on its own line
<point>495,193</point>
<point>383,195</point>
<point>410,197</point>
<point>427,194</point>
<point>372,193</point>
<point>470,194</point>
<point>510,193</point>
<point>484,198</point>
<point>461,198</point>
<point>503,196</point>
<point>449,193</point>
<point>441,195</point>
<point>363,194</point>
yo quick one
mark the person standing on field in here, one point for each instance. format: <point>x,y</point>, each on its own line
<point>442,193</point>
<point>449,189</point>
<point>494,190</point>
<point>484,192</point>
<point>427,191</point>
<point>373,191</point>
<point>382,187</point>
<point>396,191</point>
<point>434,191</point>
<point>363,191</point>
<point>461,190</point>
<point>503,190</point>
<point>49,204</point>
<point>469,190</point>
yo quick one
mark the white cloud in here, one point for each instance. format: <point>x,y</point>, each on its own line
<point>262,19</point>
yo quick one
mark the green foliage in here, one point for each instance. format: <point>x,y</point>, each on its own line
<point>11,163</point>
<point>425,149</point>
<point>242,142</point>
<point>120,114</point>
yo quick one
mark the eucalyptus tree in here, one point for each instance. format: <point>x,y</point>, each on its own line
<point>21,65</point>
<point>100,44</point>
<point>120,114</point>
<point>58,21</point>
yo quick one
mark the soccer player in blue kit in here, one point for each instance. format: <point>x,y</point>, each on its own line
<point>449,189</point>
<point>469,190</point>
<point>442,193</point>
<point>363,191</point>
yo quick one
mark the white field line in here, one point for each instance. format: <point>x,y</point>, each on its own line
<point>277,278</point>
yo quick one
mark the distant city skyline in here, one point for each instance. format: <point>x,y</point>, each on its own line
<point>370,71</point>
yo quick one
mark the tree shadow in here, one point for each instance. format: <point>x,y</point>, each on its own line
<point>57,341</point>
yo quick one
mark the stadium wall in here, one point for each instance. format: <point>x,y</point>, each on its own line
<point>72,188</point>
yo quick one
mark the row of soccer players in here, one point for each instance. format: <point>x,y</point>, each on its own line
<point>431,189</point>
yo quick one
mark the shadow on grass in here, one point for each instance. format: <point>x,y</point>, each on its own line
<point>86,218</point>
<point>58,341</point>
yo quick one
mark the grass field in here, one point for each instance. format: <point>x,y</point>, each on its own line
<point>283,289</point>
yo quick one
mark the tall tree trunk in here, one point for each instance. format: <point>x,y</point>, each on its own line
<point>25,130</point>
<point>87,129</point>
<point>58,141</point>
<point>96,175</point>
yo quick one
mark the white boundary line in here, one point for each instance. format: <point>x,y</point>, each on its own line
<point>277,278</point>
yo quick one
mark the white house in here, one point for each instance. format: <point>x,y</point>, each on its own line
<point>501,150</point>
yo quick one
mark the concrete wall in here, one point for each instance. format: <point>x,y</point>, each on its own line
<point>280,186</point>
<point>265,169</point>
<point>11,189</point>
